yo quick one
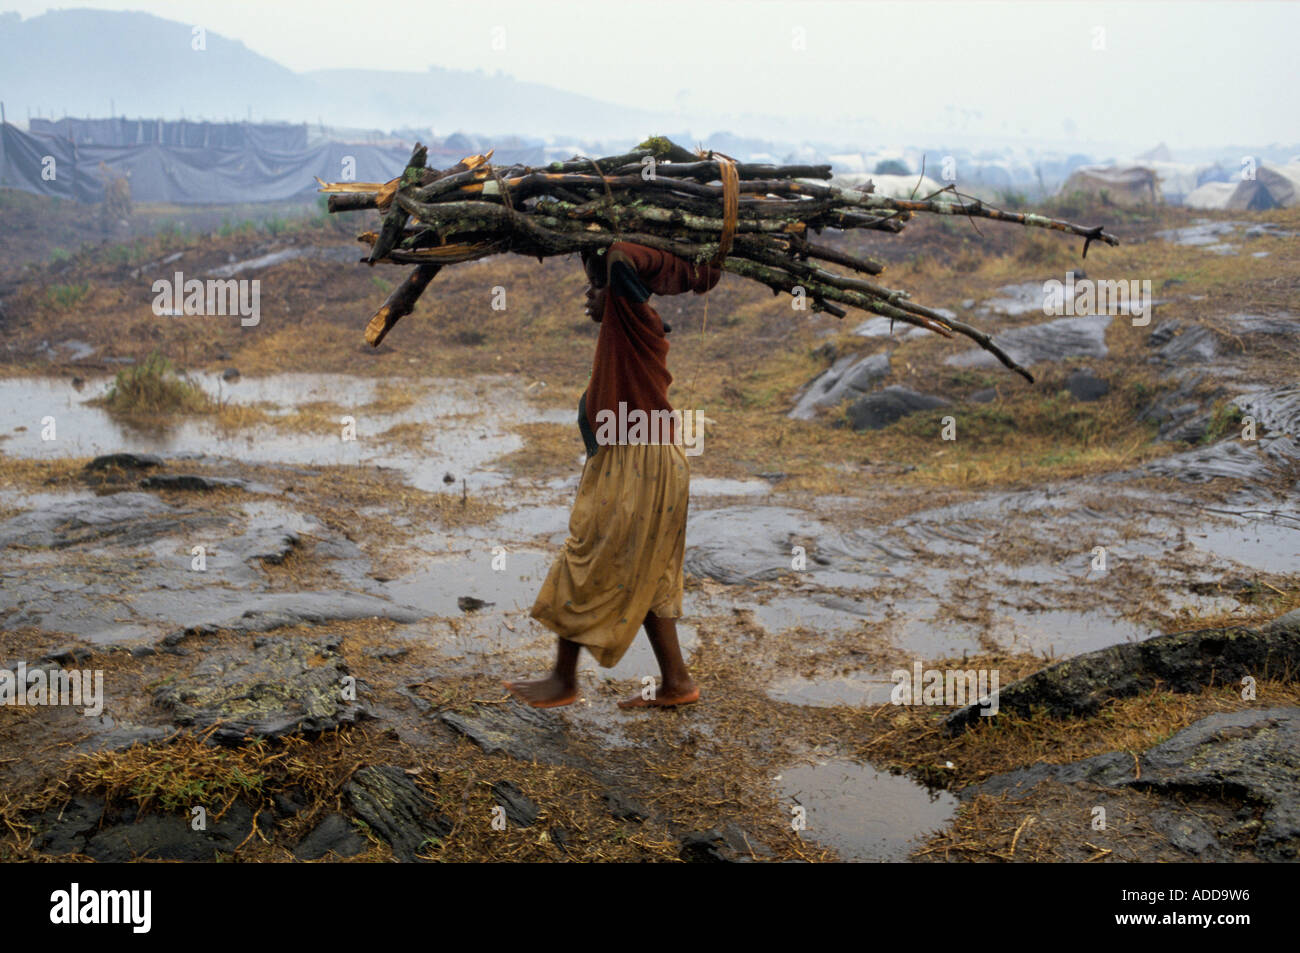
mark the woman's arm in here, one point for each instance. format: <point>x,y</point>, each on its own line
<point>662,273</point>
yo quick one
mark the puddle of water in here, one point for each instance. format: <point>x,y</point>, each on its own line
<point>1201,233</point>
<point>861,689</point>
<point>927,638</point>
<point>469,418</point>
<point>1255,543</point>
<point>862,813</point>
<point>437,587</point>
<point>529,523</point>
<point>1059,633</point>
<point>843,615</point>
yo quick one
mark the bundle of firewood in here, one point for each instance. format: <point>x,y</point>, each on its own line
<point>758,221</point>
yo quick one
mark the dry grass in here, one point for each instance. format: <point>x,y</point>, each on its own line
<point>549,449</point>
<point>911,739</point>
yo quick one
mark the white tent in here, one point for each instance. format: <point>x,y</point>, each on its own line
<point>1272,187</point>
<point>1177,179</point>
<point>1211,195</point>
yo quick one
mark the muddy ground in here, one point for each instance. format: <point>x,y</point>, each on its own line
<point>324,681</point>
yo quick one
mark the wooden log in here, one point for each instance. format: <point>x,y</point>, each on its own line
<point>395,218</point>
<point>353,201</point>
<point>707,170</point>
<point>400,303</point>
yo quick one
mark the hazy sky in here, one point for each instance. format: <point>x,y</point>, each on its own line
<point>1188,73</point>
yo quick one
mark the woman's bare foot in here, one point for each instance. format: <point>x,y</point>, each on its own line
<point>549,692</point>
<point>665,697</point>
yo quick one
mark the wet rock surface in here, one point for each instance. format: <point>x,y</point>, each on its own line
<point>519,810</point>
<point>334,835</point>
<point>1181,662</point>
<point>874,411</point>
<point>395,809</point>
<point>726,846</point>
<point>745,544</point>
<point>171,837</point>
<point>123,519</point>
<point>131,572</point>
<point>1251,757</point>
<point>86,826</point>
<point>514,729</point>
<point>124,461</point>
<point>1057,340</point>
<point>1176,343</point>
<point>849,377</point>
<point>1086,386</point>
<point>64,829</point>
<point>1275,450</point>
<point>190,482</point>
<point>974,569</point>
<point>281,686</point>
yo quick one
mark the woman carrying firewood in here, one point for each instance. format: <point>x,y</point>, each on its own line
<point>621,567</point>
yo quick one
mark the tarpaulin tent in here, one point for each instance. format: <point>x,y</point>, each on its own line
<point>185,175</point>
<point>1134,185</point>
<point>1272,187</point>
<point>120,131</point>
<point>1211,195</point>
<point>45,166</point>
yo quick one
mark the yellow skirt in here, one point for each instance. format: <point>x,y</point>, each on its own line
<point>623,557</point>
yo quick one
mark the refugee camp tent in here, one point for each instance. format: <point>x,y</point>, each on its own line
<point>181,174</point>
<point>1211,195</point>
<point>1272,187</point>
<point>1177,180</point>
<point>120,131</point>
<point>1132,185</point>
<point>1215,173</point>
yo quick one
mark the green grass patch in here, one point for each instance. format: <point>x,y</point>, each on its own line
<point>1225,418</point>
<point>65,297</point>
<point>154,388</point>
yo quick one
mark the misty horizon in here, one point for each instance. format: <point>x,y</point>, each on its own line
<point>1120,78</point>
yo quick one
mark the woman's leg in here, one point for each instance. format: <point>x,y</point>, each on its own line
<point>557,689</point>
<point>677,687</point>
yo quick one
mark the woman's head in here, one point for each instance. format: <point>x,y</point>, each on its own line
<point>593,262</point>
<point>594,265</point>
